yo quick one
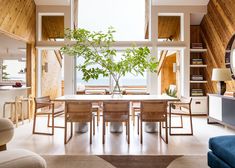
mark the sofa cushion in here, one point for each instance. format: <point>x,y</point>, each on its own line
<point>6,131</point>
<point>215,162</point>
<point>224,148</point>
<point>21,159</point>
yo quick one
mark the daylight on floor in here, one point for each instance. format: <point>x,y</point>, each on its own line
<point>117,83</point>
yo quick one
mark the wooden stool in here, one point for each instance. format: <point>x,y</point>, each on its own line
<point>15,106</point>
<point>29,100</point>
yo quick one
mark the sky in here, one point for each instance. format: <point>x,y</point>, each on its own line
<point>126,16</point>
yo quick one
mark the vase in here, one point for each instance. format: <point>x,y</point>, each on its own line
<point>116,90</point>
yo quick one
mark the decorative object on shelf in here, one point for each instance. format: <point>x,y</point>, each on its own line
<point>171,91</point>
<point>197,61</point>
<point>17,84</point>
<point>220,75</point>
<point>95,48</point>
<point>4,73</point>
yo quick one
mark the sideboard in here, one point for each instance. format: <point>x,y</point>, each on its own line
<point>221,109</point>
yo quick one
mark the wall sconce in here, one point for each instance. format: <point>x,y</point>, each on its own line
<point>45,67</point>
<point>175,68</point>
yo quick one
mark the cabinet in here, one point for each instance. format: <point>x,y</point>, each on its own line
<point>221,109</point>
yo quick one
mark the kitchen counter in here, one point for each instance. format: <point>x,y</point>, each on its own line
<point>9,88</point>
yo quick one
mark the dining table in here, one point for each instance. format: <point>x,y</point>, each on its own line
<point>116,127</point>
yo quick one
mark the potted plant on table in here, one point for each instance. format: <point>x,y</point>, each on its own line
<point>96,49</point>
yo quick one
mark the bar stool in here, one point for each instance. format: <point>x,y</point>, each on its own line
<point>15,107</point>
<point>29,100</point>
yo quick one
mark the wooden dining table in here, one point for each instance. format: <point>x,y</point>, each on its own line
<point>117,127</point>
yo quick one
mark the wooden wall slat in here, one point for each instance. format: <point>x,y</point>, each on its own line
<point>217,27</point>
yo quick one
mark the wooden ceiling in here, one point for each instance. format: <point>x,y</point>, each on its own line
<point>52,27</point>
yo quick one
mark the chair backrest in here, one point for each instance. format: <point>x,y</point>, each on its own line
<point>41,102</point>
<point>153,110</point>
<point>186,100</point>
<point>78,111</point>
<point>116,110</point>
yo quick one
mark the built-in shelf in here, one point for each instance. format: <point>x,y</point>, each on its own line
<point>197,50</point>
<point>198,66</point>
<point>198,81</point>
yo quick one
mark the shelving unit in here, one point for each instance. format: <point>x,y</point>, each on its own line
<point>198,68</point>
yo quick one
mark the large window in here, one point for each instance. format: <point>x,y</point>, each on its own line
<point>127,81</point>
<point>14,70</point>
<point>126,16</point>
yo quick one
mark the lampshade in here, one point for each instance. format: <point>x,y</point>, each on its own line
<point>221,74</point>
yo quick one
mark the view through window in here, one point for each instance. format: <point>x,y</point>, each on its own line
<point>14,70</point>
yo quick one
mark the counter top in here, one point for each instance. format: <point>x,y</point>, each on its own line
<point>222,96</point>
<point>9,88</point>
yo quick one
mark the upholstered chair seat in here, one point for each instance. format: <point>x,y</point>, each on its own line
<point>16,158</point>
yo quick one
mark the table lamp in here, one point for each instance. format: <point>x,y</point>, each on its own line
<point>220,75</point>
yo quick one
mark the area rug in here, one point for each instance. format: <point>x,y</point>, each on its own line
<point>124,161</point>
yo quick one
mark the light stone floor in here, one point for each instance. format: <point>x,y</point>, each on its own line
<point>116,143</point>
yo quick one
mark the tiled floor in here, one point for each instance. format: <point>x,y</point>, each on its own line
<point>116,143</point>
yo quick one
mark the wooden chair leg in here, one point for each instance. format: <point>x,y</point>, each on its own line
<point>91,132</point>
<point>93,125</point>
<point>170,119</point>
<point>166,133</point>
<point>3,147</point>
<point>141,132</point>
<point>53,121</point>
<point>160,129</point>
<point>103,131</point>
<point>13,106</point>
<point>133,116</point>
<point>48,120</point>
<point>126,128</point>
<point>191,120</point>
<point>21,112</point>
<point>65,132</point>
<point>98,117</point>
<point>138,125</point>
<point>128,124</point>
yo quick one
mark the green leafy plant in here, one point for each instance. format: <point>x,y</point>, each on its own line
<point>4,73</point>
<point>96,49</point>
<point>171,92</point>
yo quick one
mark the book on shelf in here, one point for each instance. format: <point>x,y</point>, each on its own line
<point>197,77</point>
<point>197,61</point>
<point>197,92</point>
<point>197,46</point>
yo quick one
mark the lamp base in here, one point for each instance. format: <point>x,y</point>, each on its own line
<point>221,87</point>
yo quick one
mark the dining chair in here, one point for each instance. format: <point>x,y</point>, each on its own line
<point>181,108</point>
<point>153,111</point>
<point>78,112</point>
<point>116,111</point>
<point>44,106</point>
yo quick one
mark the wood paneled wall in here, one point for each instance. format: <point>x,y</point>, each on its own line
<point>18,20</point>
<point>168,77</point>
<point>51,80</point>
<point>217,27</point>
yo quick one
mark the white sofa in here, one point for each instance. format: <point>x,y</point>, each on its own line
<point>17,158</point>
